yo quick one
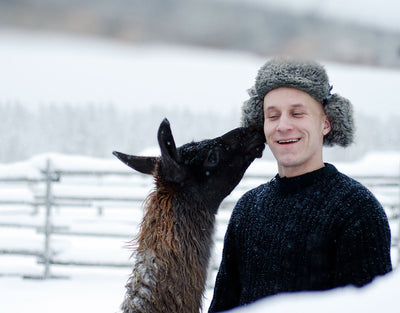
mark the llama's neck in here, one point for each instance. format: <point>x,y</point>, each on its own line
<point>173,250</point>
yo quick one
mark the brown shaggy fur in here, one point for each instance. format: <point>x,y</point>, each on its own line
<point>169,270</point>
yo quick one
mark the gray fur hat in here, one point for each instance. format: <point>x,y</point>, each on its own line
<point>308,76</point>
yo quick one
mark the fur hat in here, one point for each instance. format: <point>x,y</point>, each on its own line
<point>308,76</point>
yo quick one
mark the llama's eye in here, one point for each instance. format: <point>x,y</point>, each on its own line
<point>212,158</point>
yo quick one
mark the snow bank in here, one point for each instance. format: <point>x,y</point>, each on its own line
<point>379,296</point>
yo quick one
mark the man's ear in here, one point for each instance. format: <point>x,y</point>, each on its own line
<point>326,127</point>
<point>170,169</point>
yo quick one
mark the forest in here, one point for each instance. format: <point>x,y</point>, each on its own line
<point>234,25</point>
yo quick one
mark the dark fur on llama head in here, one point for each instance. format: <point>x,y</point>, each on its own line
<point>175,237</point>
<point>209,169</point>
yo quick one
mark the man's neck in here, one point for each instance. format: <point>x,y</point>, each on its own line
<point>297,171</point>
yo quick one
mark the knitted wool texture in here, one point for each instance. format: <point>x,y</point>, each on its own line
<point>312,232</point>
<point>308,76</point>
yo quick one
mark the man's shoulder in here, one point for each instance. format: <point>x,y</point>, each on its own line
<point>357,196</point>
<point>352,185</point>
<point>252,198</point>
<point>257,192</point>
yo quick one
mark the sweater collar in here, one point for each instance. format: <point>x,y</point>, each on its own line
<point>297,183</point>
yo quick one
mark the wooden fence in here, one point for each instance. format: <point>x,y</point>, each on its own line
<point>51,192</point>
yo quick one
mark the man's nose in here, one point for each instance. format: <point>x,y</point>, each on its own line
<point>285,123</point>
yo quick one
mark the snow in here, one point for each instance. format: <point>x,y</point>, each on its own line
<point>17,194</point>
<point>19,170</point>
<point>77,163</point>
<point>86,290</point>
<point>99,290</point>
<point>374,164</point>
<point>380,296</point>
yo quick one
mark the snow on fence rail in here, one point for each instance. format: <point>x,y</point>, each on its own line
<point>52,182</point>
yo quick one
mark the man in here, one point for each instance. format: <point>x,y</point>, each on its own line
<point>311,227</point>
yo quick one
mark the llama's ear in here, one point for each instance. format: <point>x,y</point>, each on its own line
<point>166,140</point>
<point>142,164</point>
<point>171,170</point>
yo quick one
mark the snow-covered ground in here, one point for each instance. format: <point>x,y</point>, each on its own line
<point>85,290</point>
<point>101,290</point>
<point>380,296</point>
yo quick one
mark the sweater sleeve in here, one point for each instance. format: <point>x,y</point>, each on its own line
<point>227,285</point>
<point>363,248</point>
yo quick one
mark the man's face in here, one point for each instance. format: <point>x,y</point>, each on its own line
<point>294,127</point>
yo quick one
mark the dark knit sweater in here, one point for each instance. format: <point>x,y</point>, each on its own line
<point>316,231</point>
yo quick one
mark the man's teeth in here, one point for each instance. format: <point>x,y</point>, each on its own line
<point>288,141</point>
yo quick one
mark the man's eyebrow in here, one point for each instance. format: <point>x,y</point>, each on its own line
<point>270,108</point>
<point>296,105</point>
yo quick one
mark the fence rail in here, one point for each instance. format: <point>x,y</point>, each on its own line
<point>48,194</point>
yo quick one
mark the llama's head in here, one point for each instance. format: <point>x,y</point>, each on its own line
<point>207,170</point>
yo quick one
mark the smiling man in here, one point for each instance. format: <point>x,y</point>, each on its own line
<point>311,227</point>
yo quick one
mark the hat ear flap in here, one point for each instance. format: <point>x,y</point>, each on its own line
<point>253,111</point>
<point>340,115</point>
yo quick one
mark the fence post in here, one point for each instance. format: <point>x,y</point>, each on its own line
<point>47,231</point>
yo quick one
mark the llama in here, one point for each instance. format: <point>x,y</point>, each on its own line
<point>174,242</point>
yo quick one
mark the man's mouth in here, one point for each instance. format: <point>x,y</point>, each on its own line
<point>288,141</point>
